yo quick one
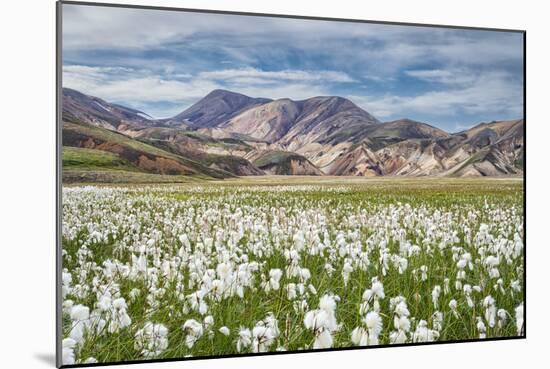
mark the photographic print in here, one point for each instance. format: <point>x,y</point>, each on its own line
<point>238,184</point>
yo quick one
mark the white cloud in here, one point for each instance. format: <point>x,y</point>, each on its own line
<point>491,93</point>
<point>294,91</point>
<point>89,27</point>
<point>388,55</point>
<point>444,76</point>
<point>141,89</point>
<point>253,74</point>
<point>487,93</point>
<point>431,74</point>
<point>135,88</point>
<point>162,57</point>
<point>384,46</point>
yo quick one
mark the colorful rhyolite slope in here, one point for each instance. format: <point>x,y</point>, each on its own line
<point>227,134</point>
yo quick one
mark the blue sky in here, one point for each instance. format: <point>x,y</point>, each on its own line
<point>161,62</point>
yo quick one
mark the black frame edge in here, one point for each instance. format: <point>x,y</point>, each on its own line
<point>525,184</point>
<point>58,189</point>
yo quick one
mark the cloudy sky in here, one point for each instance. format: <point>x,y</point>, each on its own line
<point>161,62</point>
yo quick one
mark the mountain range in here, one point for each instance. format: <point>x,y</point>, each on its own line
<point>228,134</point>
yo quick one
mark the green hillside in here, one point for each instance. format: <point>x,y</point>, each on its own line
<point>76,158</point>
<point>127,153</point>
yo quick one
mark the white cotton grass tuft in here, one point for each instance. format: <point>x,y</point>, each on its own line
<point>373,322</point>
<point>67,306</point>
<point>347,269</point>
<point>80,316</point>
<point>437,321</point>
<point>68,355</point>
<point>453,305</point>
<point>468,295</point>
<point>423,333</point>
<point>193,330</point>
<point>291,291</point>
<point>515,286</point>
<point>244,339</point>
<point>502,315</point>
<point>424,272</point>
<point>263,336</point>
<point>359,336</point>
<point>490,311</point>
<point>67,280</point>
<point>151,340</point>
<point>134,294</point>
<point>365,336</point>
<point>274,278</point>
<point>322,322</point>
<point>377,289</point>
<point>481,328</point>
<point>80,312</point>
<point>446,289</point>
<point>435,296</point>
<point>260,338</point>
<point>372,295</point>
<point>401,321</point>
<point>328,303</point>
<point>208,321</point>
<point>519,319</point>
<point>323,340</point>
<point>368,333</point>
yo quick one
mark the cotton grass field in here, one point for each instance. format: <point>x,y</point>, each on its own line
<point>278,264</point>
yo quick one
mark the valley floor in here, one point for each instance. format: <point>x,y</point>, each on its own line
<point>356,180</point>
<point>106,177</point>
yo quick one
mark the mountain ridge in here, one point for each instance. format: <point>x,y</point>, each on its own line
<point>79,106</point>
<point>220,105</point>
<point>322,135</point>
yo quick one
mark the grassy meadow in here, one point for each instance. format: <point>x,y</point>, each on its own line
<point>277,263</point>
